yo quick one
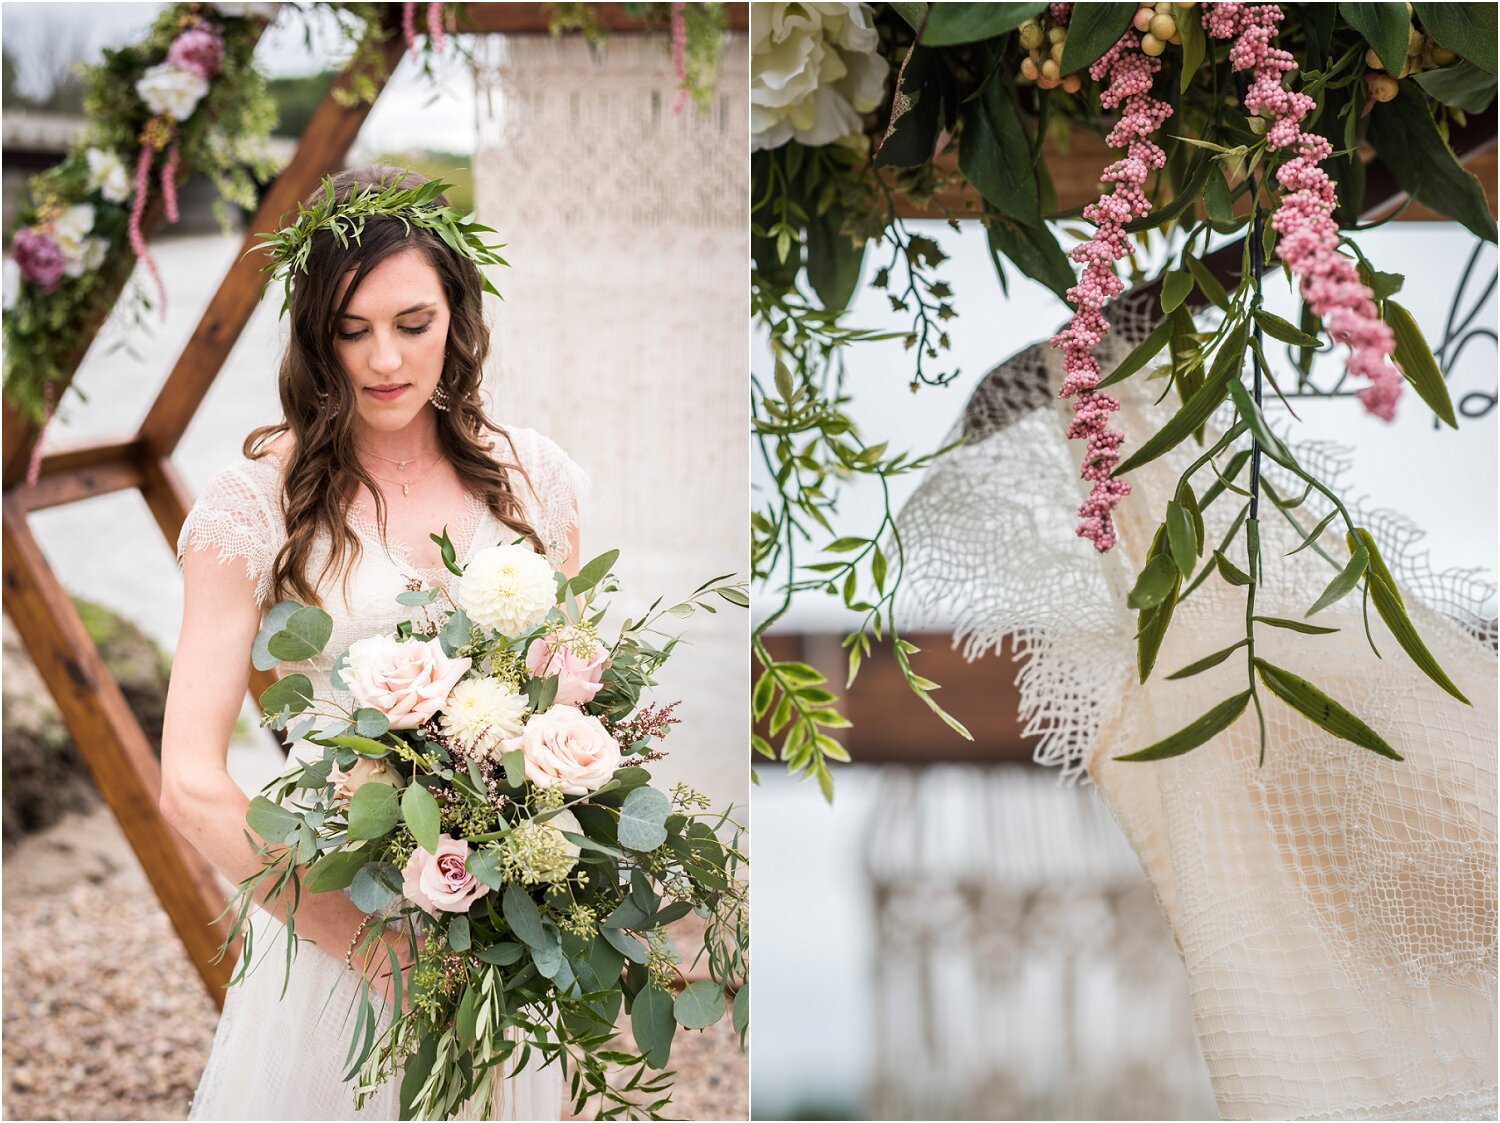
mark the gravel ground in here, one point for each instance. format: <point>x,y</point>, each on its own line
<point>104,1018</point>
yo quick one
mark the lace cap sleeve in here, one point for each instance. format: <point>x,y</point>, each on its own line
<point>558,489</point>
<point>239,515</point>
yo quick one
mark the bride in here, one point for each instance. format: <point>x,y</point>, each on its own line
<point>383,441</point>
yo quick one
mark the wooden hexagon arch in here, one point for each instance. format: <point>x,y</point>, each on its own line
<point>107,734</point>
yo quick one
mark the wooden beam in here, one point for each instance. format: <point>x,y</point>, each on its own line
<point>110,741</point>
<point>327,138</point>
<point>536,19</point>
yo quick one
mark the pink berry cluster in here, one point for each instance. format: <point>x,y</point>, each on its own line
<point>1308,237</point>
<point>1128,73</point>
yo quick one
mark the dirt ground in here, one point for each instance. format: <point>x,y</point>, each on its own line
<point>104,1018</point>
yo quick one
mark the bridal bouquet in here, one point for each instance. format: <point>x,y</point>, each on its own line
<point>484,797</point>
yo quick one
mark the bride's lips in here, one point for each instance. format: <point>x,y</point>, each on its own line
<point>388,393</point>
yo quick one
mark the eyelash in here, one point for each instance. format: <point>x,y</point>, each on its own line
<point>351,336</point>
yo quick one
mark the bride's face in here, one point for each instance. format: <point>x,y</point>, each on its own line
<point>391,339</point>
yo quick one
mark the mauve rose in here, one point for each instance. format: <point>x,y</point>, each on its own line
<point>565,747</point>
<point>407,682</point>
<point>559,653</point>
<point>198,50</point>
<point>438,882</point>
<point>40,258</point>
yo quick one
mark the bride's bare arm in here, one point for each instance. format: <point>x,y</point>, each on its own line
<point>210,675</point>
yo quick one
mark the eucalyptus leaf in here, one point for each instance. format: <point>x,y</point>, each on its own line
<point>1190,736</point>
<point>423,819</point>
<point>373,812</point>
<point>700,1005</point>
<point>1322,710</point>
<point>643,816</point>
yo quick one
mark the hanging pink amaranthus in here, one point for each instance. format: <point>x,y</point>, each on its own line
<point>679,55</point>
<point>1129,73</point>
<point>1308,237</point>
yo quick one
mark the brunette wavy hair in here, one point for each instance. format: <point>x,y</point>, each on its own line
<point>322,473</point>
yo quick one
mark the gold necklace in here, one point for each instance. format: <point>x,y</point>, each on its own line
<point>406,485</point>
<point>400,464</point>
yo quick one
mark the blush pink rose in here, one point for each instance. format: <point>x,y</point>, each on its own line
<point>439,882</point>
<point>575,657</point>
<point>565,747</point>
<point>407,682</point>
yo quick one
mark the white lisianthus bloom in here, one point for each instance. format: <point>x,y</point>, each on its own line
<point>508,589</point>
<point>482,712</point>
<point>107,175</point>
<point>70,231</point>
<point>814,69</point>
<point>171,89</point>
<point>12,283</point>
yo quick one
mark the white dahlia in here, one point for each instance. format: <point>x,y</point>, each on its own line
<point>482,712</point>
<point>508,589</point>
<point>814,69</point>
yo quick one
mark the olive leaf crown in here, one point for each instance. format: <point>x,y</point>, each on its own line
<point>289,246</point>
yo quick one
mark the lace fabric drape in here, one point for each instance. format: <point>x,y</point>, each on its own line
<point>623,331</point>
<point>1335,910</point>
<point>279,1052</point>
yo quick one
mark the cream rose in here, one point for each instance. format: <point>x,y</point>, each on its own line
<point>565,747</point>
<point>814,69</point>
<point>368,770</point>
<point>166,88</point>
<point>407,682</point>
<point>438,882</point>
<point>508,589</point>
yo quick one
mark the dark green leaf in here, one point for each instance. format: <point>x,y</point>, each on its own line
<point>1189,737</point>
<point>1208,284</point>
<point>1320,709</point>
<point>1296,626</point>
<point>1466,29</point>
<point>1035,252</point>
<point>1388,603</point>
<point>1155,583</point>
<point>1175,287</point>
<point>1384,26</point>
<point>1143,352</point>
<point>1405,135</point>
<point>653,1024</point>
<point>420,810</point>
<point>1094,29</point>
<point>373,812</point>
<point>990,153</point>
<point>1206,662</point>
<point>1418,364</point>
<point>949,25</point>
<point>1277,328</point>
<point>1345,582</point>
<point>1463,86</point>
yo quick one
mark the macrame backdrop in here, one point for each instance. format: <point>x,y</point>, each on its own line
<point>623,334</point>
<point>1335,910</point>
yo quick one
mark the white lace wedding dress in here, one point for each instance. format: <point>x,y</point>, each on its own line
<point>281,1056</point>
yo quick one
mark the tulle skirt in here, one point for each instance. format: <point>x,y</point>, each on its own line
<point>282,1057</point>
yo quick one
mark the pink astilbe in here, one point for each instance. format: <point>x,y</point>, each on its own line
<point>679,55</point>
<point>1308,237</point>
<point>137,212</point>
<point>1129,73</point>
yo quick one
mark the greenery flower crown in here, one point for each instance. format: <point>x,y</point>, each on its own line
<point>289,246</point>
